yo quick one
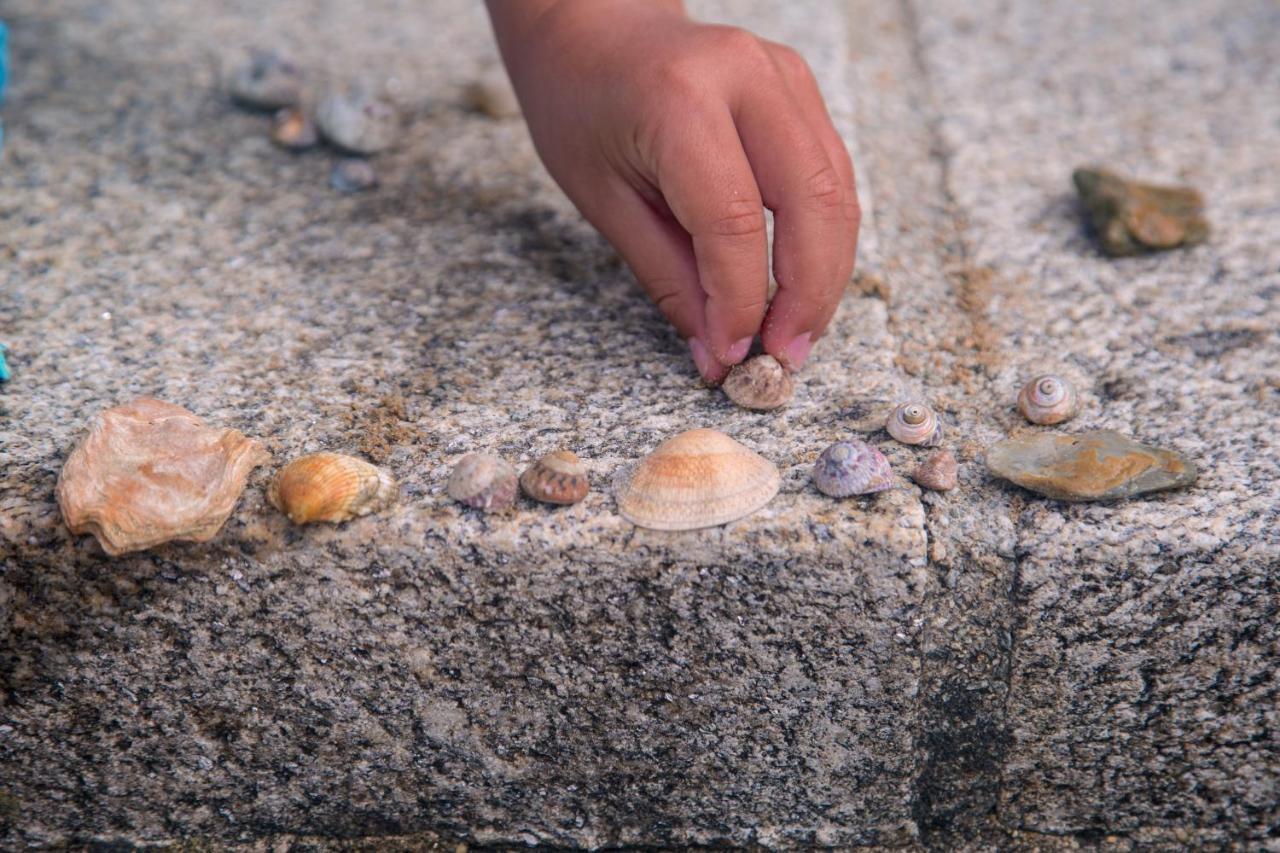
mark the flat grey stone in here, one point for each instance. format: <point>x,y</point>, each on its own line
<point>1102,465</point>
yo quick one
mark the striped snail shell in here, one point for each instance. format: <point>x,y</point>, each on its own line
<point>915,423</point>
<point>1048,399</point>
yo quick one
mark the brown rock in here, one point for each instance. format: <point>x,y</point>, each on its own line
<point>1094,466</point>
<point>1131,217</point>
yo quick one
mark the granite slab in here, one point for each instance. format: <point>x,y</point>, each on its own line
<point>977,668</point>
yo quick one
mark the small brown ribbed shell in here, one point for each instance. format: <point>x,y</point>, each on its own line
<point>330,487</point>
<point>557,478</point>
<point>939,472</point>
<point>150,472</point>
<point>483,481</point>
<point>699,478</point>
<point>293,129</point>
<point>759,383</point>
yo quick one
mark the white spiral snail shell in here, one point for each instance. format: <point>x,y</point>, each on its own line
<point>1048,399</point>
<point>915,423</point>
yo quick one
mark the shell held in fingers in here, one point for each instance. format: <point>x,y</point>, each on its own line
<point>483,481</point>
<point>1048,399</point>
<point>759,383</point>
<point>151,472</point>
<point>915,423</point>
<point>700,478</point>
<point>557,478</point>
<point>852,468</point>
<point>330,487</point>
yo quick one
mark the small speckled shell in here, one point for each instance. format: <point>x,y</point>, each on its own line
<point>939,472</point>
<point>330,487</point>
<point>759,383</point>
<point>699,478</point>
<point>357,120</point>
<point>150,472</point>
<point>851,468</point>
<point>915,423</point>
<point>483,481</point>
<point>1048,399</point>
<point>353,175</point>
<point>557,478</point>
<point>267,81</point>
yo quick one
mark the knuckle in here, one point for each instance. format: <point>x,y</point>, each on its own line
<point>825,191</point>
<point>738,218</point>
<point>792,63</point>
<point>739,44</point>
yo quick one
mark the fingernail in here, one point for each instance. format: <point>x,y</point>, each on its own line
<point>707,365</point>
<point>796,352</point>
<point>738,351</point>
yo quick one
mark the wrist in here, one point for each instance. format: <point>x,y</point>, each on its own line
<point>521,23</point>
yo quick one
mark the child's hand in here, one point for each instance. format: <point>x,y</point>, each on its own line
<point>671,136</point>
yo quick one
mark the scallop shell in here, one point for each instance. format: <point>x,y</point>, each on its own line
<point>330,487</point>
<point>557,478</point>
<point>851,468</point>
<point>151,472</point>
<point>484,482</point>
<point>1048,399</point>
<point>267,81</point>
<point>915,423</point>
<point>293,129</point>
<point>759,383</point>
<point>939,472</point>
<point>699,478</point>
<point>357,120</point>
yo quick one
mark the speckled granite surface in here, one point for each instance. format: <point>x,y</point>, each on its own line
<point>976,668</point>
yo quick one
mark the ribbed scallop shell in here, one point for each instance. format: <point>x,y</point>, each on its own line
<point>759,383</point>
<point>150,472</point>
<point>699,478</point>
<point>483,481</point>
<point>330,487</point>
<point>1048,399</point>
<point>557,478</point>
<point>915,423</point>
<point>851,468</point>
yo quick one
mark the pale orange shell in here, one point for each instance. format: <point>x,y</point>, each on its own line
<point>759,383</point>
<point>151,472</point>
<point>331,487</point>
<point>557,478</point>
<point>699,478</point>
<point>940,472</point>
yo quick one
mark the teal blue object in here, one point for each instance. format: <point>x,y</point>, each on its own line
<point>4,368</point>
<point>4,58</point>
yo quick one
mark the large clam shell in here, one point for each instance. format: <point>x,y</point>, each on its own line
<point>1048,399</point>
<point>330,487</point>
<point>851,468</point>
<point>699,478</point>
<point>915,423</point>
<point>557,478</point>
<point>759,383</point>
<point>151,472</point>
<point>483,481</point>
